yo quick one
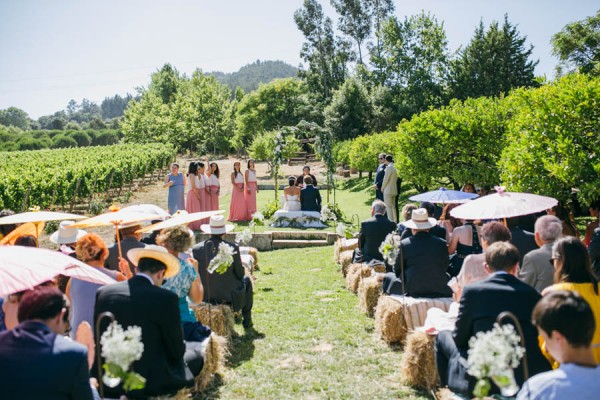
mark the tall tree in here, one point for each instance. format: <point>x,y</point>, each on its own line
<point>354,21</point>
<point>14,116</point>
<point>380,11</point>
<point>577,46</point>
<point>495,61</point>
<point>349,113</point>
<point>165,83</point>
<point>326,55</point>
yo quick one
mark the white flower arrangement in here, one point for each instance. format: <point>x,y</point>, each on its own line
<point>120,349</point>
<point>222,260</point>
<point>389,248</point>
<point>494,354</point>
<point>244,237</point>
<point>257,219</point>
<point>343,230</point>
<point>327,214</point>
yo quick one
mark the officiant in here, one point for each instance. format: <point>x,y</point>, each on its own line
<point>305,172</point>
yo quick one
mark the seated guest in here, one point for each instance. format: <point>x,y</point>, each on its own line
<point>594,250</point>
<point>464,241</point>
<point>310,198</point>
<point>231,287</point>
<point>537,268</point>
<point>27,241</point>
<point>36,360</point>
<point>480,305</point>
<point>566,323</point>
<point>129,240</point>
<point>305,172</point>
<point>372,233</point>
<point>448,221</point>
<point>437,230</point>
<point>423,260</point>
<point>291,195</point>
<point>168,364</point>
<point>523,240</point>
<point>406,215</point>
<point>186,284</point>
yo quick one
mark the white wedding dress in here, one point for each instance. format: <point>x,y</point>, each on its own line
<point>292,203</point>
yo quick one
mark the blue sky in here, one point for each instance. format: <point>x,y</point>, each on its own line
<point>54,51</point>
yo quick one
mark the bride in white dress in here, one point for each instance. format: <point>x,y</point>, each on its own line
<point>292,196</point>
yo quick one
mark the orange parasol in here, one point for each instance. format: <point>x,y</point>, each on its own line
<point>28,228</point>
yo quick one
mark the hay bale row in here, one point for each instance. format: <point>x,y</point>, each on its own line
<point>343,245</point>
<point>345,259</point>
<point>389,320</point>
<point>369,290</point>
<point>214,361</point>
<point>220,320</point>
<point>418,365</point>
<point>356,273</point>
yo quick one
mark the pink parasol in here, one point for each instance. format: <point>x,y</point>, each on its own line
<point>23,268</point>
<point>503,204</point>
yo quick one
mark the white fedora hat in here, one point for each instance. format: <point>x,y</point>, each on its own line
<point>66,235</point>
<point>158,253</point>
<point>217,225</point>
<point>420,220</point>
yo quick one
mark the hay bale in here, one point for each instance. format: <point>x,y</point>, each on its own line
<point>220,320</point>
<point>379,268</point>
<point>418,367</point>
<point>369,290</point>
<point>337,250</point>
<point>389,320</point>
<point>352,276</point>
<point>214,361</point>
<point>345,258</point>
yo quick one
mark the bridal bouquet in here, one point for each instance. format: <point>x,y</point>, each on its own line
<point>244,237</point>
<point>389,248</point>
<point>222,260</point>
<point>120,349</point>
<point>327,214</point>
<point>494,354</point>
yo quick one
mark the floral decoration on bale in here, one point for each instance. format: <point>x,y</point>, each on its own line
<point>244,237</point>
<point>389,248</point>
<point>120,348</point>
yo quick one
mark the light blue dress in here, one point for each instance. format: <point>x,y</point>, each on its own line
<point>180,285</point>
<point>176,199</point>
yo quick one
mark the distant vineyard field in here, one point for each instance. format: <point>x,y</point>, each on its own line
<point>48,178</point>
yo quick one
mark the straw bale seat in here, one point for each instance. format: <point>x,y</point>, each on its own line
<point>345,259</point>
<point>369,290</point>
<point>214,361</point>
<point>220,321</point>
<point>400,314</point>
<point>356,272</point>
<point>418,367</point>
<point>343,244</point>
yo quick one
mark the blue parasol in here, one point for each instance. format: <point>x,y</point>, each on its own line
<point>443,195</point>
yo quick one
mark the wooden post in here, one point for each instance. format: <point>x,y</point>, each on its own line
<point>25,199</point>
<point>75,195</point>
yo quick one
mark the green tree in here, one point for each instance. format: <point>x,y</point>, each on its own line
<point>553,139</point>
<point>494,62</point>
<point>354,21</point>
<point>14,116</point>
<point>165,83</point>
<point>349,113</point>
<point>577,46</point>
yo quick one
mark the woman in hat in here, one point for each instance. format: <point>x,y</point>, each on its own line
<point>186,284</point>
<point>251,188</point>
<point>66,237</point>
<point>175,181</point>
<point>237,206</point>
<point>92,250</point>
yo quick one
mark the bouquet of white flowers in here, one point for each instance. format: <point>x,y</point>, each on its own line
<point>244,237</point>
<point>257,219</point>
<point>327,214</point>
<point>120,349</point>
<point>343,230</point>
<point>494,355</point>
<point>222,260</point>
<point>389,248</point>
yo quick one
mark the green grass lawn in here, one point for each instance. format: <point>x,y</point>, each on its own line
<point>317,344</point>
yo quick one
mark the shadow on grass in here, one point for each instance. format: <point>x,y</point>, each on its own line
<point>356,184</point>
<point>242,349</point>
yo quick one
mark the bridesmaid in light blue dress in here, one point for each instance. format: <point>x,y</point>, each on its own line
<point>175,181</point>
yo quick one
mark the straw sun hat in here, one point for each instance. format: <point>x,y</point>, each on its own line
<point>158,253</point>
<point>420,220</point>
<point>217,226</point>
<point>66,235</point>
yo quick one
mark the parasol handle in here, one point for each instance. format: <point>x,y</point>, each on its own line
<point>508,315</point>
<point>101,316</point>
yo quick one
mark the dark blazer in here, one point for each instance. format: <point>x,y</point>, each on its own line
<point>437,230</point>
<point>372,233</point>
<point>219,288</point>
<point>594,249</point>
<point>523,240</point>
<point>379,174</point>
<point>300,180</point>
<point>138,302</point>
<point>36,363</point>
<point>310,199</point>
<point>483,301</point>
<point>128,243</point>
<point>425,264</point>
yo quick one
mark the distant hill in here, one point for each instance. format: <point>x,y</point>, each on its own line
<point>251,75</point>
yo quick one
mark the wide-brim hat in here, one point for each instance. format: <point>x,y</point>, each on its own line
<point>420,220</point>
<point>217,225</point>
<point>66,235</point>
<point>158,253</point>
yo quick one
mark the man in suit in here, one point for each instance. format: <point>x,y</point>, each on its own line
<point>437,230</point>
<point>523,239</point>
<point>36,360</point>
<point>372,233</point>
<point>231,287</point>
<point>310,198</point>
<point>389,188</point>
<point>379,177</point>
<point>167,363</point>
<point>480,305</point>
<point>537,269</point>
<point>424,258</point>
<point>305,172</point>
<point>129,240</point>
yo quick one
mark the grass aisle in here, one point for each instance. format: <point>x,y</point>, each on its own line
<point>317,343</point>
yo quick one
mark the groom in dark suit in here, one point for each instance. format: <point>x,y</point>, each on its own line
<point>310,198</point>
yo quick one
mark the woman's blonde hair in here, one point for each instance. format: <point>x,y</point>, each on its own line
<point>91,247</point>
<point>176,239</point>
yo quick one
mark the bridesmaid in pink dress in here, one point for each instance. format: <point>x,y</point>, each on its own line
<point>193,202</point>
<point>215,186</point>
<point>237,206</point>
<point>251,189</point>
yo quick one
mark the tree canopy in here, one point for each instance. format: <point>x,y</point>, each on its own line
<point>577,46</point>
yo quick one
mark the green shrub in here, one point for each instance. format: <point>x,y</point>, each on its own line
<point>63,141</point>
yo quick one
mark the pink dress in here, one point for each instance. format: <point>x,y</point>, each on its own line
<point>214,192</point>
<point>237,207</point>
<point>192,202</point>
<point>204,196</point>
<point>251,194</point>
